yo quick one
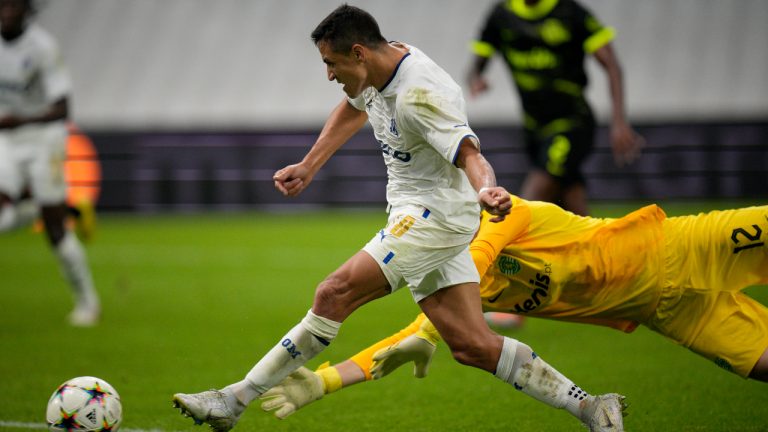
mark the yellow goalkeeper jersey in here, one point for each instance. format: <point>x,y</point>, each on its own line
<point>544,261</point>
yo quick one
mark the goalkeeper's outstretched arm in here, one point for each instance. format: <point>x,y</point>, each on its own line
<point>415,343</point>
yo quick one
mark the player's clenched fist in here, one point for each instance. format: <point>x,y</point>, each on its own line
<point>292,180</point>
<point>496,201</point>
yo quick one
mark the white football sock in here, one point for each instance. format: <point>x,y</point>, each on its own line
<point>527,372</point>
<point>74,265</point>
<point>301,344</point>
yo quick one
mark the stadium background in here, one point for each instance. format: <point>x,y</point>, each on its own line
<point>192,104</point>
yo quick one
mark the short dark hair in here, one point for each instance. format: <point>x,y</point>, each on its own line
<point>31,7</point>
<point>348,25</point>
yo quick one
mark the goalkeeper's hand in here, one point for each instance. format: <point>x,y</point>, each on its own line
<point>413,348</point>
<point>297,390</point>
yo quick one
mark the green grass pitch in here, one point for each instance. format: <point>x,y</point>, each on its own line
<point>191,302</point>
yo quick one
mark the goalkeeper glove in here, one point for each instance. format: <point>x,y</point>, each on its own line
<point>297,390</point>
<point>415,348</point>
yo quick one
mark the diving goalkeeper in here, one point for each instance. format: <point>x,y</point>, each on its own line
<point>680,276</point>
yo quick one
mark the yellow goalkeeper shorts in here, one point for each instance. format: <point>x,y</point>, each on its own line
<point>709,259</point>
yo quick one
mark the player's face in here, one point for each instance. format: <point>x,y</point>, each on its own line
<point>347,69</point>
<point>12,13</point>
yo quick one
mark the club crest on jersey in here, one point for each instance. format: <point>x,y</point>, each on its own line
<point>508,265</point>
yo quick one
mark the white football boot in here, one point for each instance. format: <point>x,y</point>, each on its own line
<point>85,315</point>
<point>605,413</point>
<point>208,407</point>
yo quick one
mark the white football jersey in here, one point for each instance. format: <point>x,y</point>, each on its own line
<point>419,119</point>
<point>32,73</point>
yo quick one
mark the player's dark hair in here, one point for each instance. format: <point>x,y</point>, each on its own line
<point>31,7</point>
<point>348,25</point>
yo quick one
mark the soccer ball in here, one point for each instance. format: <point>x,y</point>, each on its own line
<point>84,404</point>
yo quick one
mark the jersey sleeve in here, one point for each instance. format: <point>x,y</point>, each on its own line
<point>493,237</point>
<point>55,77</point>
<point>594,34</point>
<point>438,118</point>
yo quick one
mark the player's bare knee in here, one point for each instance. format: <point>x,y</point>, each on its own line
<point>332,298</point>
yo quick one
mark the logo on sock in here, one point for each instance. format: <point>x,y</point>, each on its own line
<point>291,348</point>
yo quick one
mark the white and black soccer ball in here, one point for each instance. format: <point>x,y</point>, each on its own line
<point>84,404</point>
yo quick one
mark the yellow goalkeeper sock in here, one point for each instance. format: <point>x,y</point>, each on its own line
<point>331,377</point>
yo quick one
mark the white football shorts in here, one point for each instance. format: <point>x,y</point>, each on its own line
<point>33,157</point>
<point>417,251</point>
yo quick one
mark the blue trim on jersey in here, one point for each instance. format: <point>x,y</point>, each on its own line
<point>426,213</point>
<point>394,72</point>
<point>388,258</point>
<point>453,161</point>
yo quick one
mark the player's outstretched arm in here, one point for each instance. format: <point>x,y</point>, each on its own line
<point>304,386</point>
<point>343,123</point>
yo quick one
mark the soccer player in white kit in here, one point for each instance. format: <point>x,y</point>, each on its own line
<point>437,182</point>
<point>34,94</point>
